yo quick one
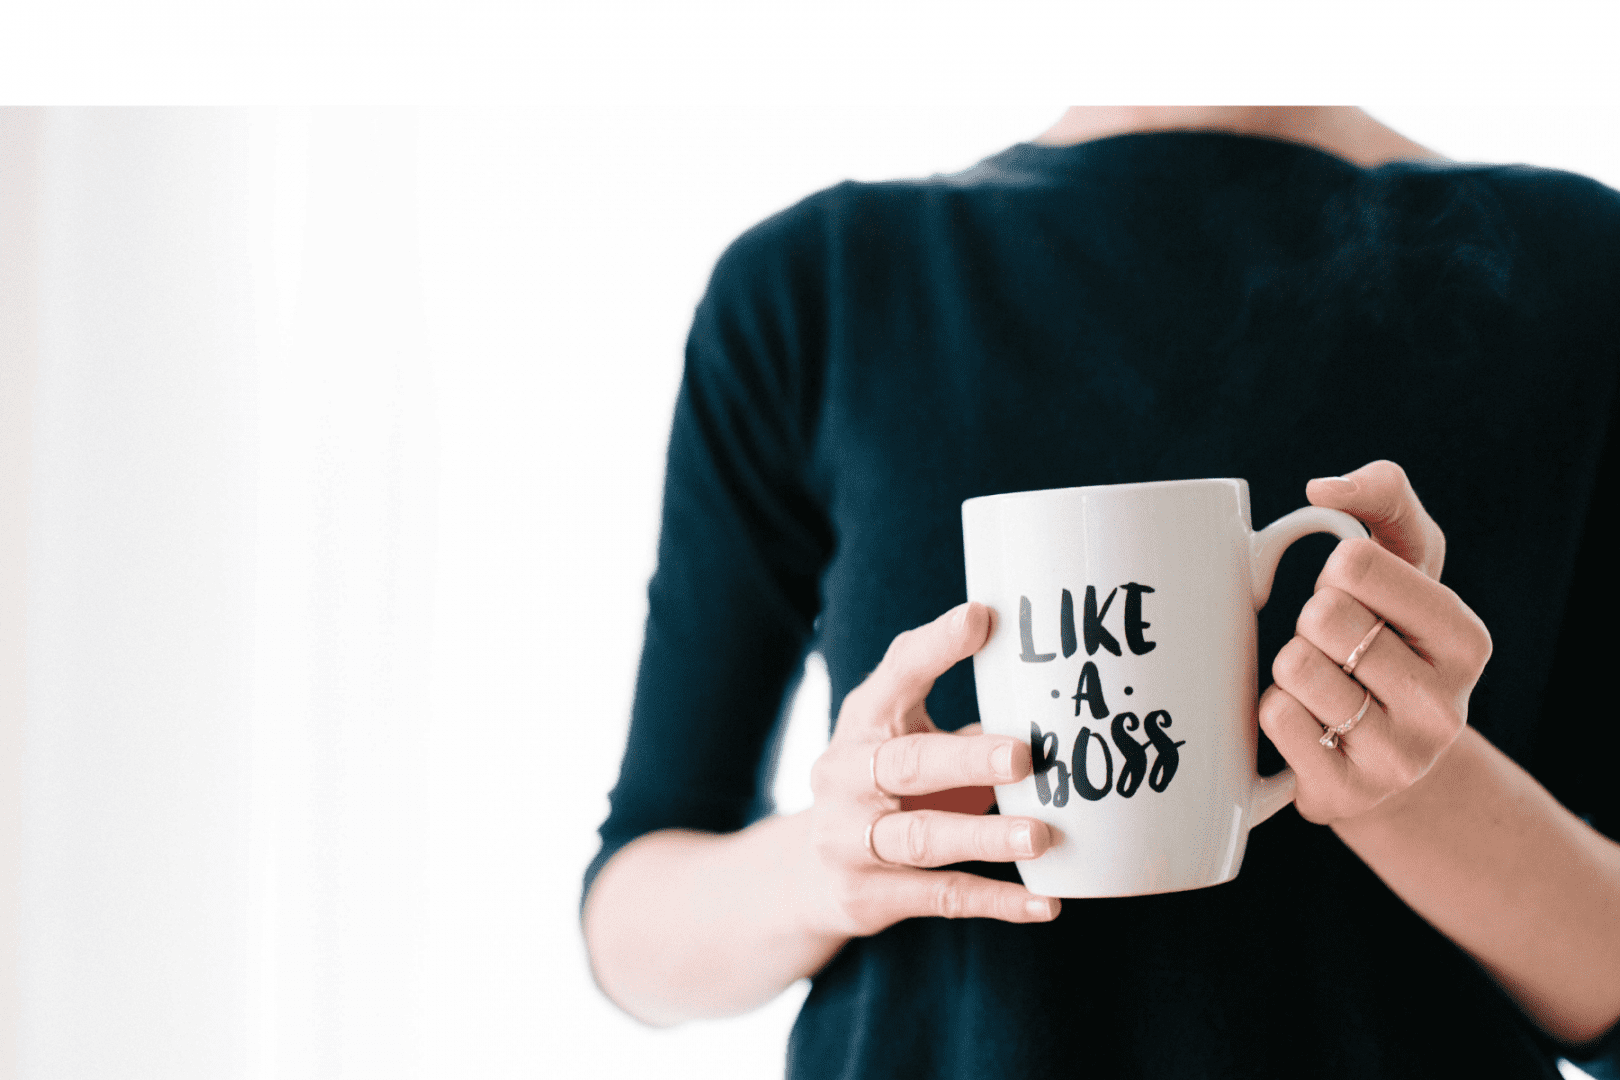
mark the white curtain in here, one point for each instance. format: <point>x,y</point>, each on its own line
<point>220,506</point>
<point>130,488</point>
<point>327,502</point>
<point>342,610</point>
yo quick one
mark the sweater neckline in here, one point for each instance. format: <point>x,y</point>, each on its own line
<point>1174,147</point>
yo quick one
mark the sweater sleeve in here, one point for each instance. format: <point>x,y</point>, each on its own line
<point>742,544</point>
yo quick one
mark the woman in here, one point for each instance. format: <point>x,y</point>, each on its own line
<point>1139,295</point>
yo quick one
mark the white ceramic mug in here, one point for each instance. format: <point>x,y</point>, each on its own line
<point>1124,650</point>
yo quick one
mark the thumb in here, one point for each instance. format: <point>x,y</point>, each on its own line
<point>1381,497</point>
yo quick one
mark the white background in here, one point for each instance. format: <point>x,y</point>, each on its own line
<point>533,270</point>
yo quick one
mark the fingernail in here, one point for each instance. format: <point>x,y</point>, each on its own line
<point>959,620</point>
<point>1021,841</point>
<point>1041,907</point>
<point>1339,485</point>
<point>1001,762</point>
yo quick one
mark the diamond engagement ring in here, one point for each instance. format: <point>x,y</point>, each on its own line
<point>1330,736</point>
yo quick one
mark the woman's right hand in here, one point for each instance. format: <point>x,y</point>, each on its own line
<point>869,853</point>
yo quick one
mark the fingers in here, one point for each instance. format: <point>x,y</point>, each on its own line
<point>1336,624</point>
<point>920,764</point>
<point>876,867</point>
<point>1415,710</point>
<point>963,800</point>
<point>1396,740</point>
<point>1415,675</point>
<point>1343,782</point>
<point>1329,786</point>
<point>932,838</point>
<point>952,894</point>
<point>1380,495</point>
<point>1428,615</point>
<point>885,750</point>
<point>887,701</point>
<point>916,765</point>
<point>881,898</point>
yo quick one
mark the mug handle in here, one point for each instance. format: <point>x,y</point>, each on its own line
<point>1272,793</point>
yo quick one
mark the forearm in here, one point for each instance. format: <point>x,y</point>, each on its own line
<point>1491,860</point>
<point>681,925</point>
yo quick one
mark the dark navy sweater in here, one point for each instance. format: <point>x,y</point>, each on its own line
<point>1145,307</point>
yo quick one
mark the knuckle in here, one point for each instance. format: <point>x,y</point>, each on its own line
<point>1386,467</point>
<point>822,772</point>
<point>1434,552</point>
<point>1293,662</point>
<point>1477,641</point>
<point>905,761</point>
<point>1393,490</point>
<point>900,647</point>
<point>1452,720</point>
<point>1275,706</point>
<point>1438,714</point>
<point>917,840</point>
<point>1327,607</point>
<point>1270,712</point>
<point>857,703</point>
<point>950,900</point>
<point>1351,563</point>
<point>1385,471</point>
<point>1444,743</point>
<point>990,840</point>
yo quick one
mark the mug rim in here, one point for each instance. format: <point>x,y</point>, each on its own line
<point>1141,485</point>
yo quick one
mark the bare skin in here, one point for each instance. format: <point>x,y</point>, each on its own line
<point>1343,130</point>
<point>1462,834</point>
<point>683,925</point>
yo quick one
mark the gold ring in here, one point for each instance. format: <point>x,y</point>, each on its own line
<point>870,849</point>
<point>1330,736</point>
<point>1359,651</point>
<point>877,786</point>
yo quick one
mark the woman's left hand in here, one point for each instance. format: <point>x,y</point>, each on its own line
<point>1420,669</point>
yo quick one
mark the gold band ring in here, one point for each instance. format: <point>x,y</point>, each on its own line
<point>872,849</point>
<point>875,785</point>
<point>1349,666</point>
